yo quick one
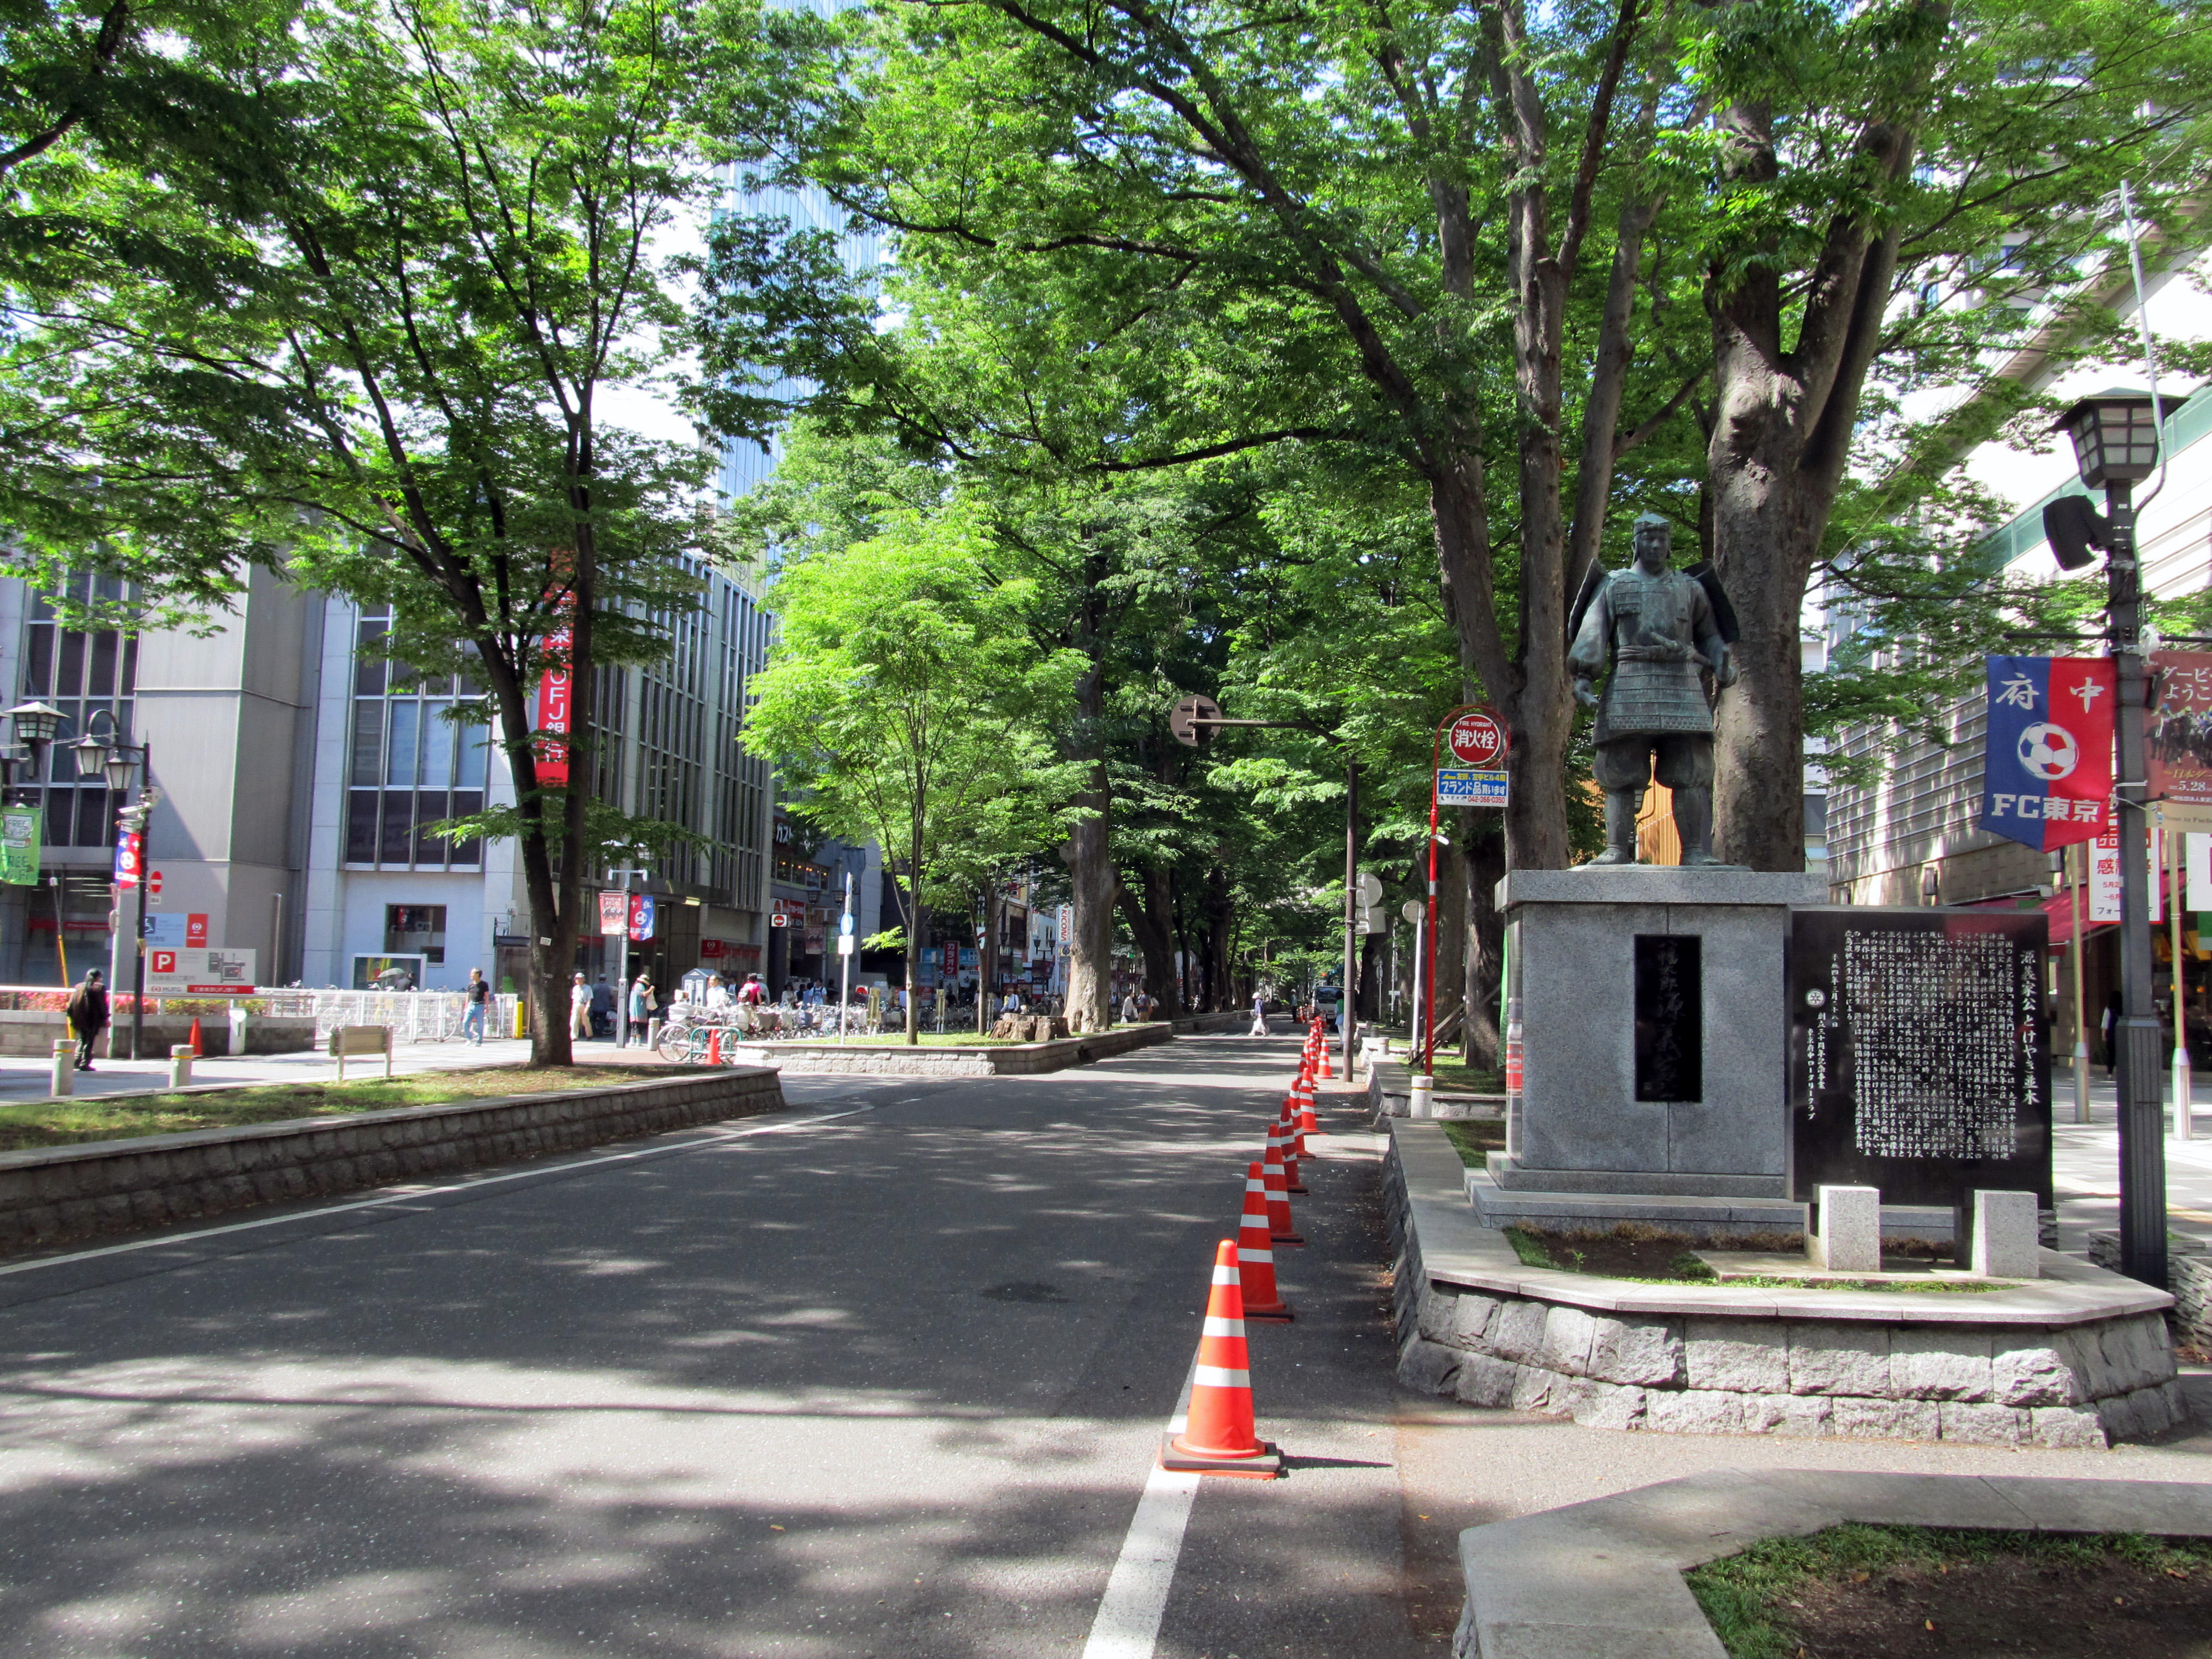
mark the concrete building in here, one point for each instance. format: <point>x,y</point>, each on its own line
<point>300,770</point>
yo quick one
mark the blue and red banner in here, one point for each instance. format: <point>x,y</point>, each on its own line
<point>2047,768</point>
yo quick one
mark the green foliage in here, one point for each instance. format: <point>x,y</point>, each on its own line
<point>906,702</point>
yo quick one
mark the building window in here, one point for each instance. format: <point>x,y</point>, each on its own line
<point>412,764</point>
<point>415,930</point>
<point>84,675</point>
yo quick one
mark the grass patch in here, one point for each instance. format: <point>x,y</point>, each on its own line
<point>1454,1078</point>
<point>73,1121</point>
<point>1878,1590</point>
<point>1646,1255</point>
<point>1473,1138</point>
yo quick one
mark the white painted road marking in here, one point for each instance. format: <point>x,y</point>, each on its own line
<point>1128,1621</point>
<point>410,1194</point>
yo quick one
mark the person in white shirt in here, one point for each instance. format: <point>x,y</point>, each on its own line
<point>580,1008</point>
<point>1129,1009</point>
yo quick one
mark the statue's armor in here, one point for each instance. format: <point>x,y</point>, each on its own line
<point>1651,628</point>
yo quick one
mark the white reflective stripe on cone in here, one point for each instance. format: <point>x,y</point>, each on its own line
<point>1223,1327</point>
<point>1224,1275</point>
<point>1255,1256</point>
<point>1213,1376</point>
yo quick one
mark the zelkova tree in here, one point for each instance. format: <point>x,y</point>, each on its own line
<point>906,703</point>
<point>1563,239</point>
<point>394,279</point>
<point>1898,195</point>
<point>1283,227</point>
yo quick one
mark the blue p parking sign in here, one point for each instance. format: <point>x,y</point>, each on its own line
<point>1460,785</point>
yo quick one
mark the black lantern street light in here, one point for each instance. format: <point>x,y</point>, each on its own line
<point>32,726</point>
<point>2116,442</point>
<point>116,763</point>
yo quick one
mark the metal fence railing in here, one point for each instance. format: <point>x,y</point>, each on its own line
<point>413,1016</point>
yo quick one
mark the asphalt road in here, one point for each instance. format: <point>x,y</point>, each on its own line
<point>888,1382</point>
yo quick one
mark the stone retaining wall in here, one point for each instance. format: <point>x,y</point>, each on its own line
<point>57,1194</point>
<point>2079,1385</point>
<point>2189,1276</point>
<point>1005,1060</point>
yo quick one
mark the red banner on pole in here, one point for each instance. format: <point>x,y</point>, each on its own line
<point>555,719</point>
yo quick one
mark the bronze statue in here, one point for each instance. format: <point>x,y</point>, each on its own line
<point>1659,628</point>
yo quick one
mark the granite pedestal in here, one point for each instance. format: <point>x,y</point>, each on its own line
<point>1654,1038</point>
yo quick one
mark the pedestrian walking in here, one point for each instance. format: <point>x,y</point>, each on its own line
<point>88,1015</point>
<point>1132,1011</point>
<point>602,1009</point>
<point>478,1008</point>
<point>640,1008</point>
<point>752,991</point>
<point>1259,1013</point>
<point>580,1008</point>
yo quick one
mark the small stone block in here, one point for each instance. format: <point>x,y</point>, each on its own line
<point>1847,1237</point>
<point>2006,1235</point>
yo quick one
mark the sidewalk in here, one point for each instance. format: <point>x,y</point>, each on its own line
<point>25,1078</point>
<point>2085,1166</point>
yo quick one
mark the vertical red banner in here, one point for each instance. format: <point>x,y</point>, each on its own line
<point>554,720</point>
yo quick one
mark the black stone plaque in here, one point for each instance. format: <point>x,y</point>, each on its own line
<point>1919,1058</point>
<point>1671,1017</point>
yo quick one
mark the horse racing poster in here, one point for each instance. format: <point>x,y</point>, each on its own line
<point>2047,760</point>
<point>2181,738</point>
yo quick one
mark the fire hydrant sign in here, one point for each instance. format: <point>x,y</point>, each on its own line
<point>200,973</point>
<point>1476,742</point>
<point>1471,772</point>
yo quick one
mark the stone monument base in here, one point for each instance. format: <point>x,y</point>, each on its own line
<point>1649,1003</point>
<point>2078,1358</point>
<point>1700,1215</point>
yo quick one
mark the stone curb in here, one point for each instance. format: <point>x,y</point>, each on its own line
<point>1000,1059</point>
<point>50,1195</point>
<point>1603,1579</point>
<point>2080,1362</point>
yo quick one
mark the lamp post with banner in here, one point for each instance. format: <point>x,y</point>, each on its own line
<point>614,942</point>
<point>118,763</point>
<point>2116,445</point>
<point>1478,741</point>
<point>845,959</point>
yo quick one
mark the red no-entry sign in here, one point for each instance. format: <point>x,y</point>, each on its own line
<point>1476,740</point>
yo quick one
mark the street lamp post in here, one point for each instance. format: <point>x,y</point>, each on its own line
<point>616,946</point>
<point>118,763</point>
<point>2116,442</point>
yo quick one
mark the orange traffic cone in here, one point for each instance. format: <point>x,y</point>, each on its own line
<point>713,1047</point>
<point>198,1053</point>
<point>1308,1123</point>
<point>1281,1134</point>
<point>1219,1437</point>
<point>1281,1229</point>
<point>1255,1258</point>
<point>1324,1074</point>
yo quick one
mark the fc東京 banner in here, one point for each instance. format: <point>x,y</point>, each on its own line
<point>2047,764</point>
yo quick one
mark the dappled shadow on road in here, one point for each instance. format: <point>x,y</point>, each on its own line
<point>761,1396</point>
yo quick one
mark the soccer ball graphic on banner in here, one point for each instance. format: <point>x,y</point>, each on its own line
<point>2049,751</point>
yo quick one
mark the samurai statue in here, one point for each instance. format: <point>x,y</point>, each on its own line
<point>1660,630</point>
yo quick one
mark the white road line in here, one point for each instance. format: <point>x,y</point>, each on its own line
<point>1128,1621</point>
<point>410,1194</point>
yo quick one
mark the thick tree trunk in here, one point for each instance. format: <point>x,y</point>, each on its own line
<point>1451,935</point>
<point>1220,928</point>
<point>1087,852</point>
<point>1481,867</point>
<point>1764,546</point>
<point>1148,908</point>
